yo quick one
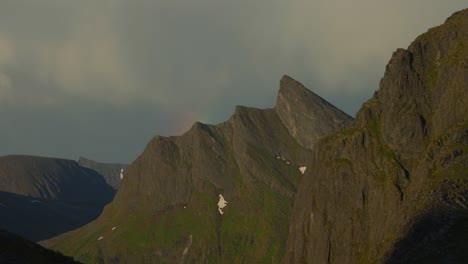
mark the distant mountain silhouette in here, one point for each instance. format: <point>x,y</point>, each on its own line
<point>43,197</point>
<point>112,172</point>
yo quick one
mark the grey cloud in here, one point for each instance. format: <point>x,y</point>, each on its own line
<point>187,60</point>
<point>106,133</point>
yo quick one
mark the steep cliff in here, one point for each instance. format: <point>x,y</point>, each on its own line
<point>216,194</point>
<point>393,187</point>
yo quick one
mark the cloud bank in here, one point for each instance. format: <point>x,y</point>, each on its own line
<point>157,66</point>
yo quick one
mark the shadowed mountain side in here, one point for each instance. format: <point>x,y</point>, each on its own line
<point>38,219</point>
<point>52,179</point>
<point>16,250</point>
<point>43,197</point>
<point>167,207</point>
<point>112,172</point>
<point>438,237</point>
<point>393,187</point>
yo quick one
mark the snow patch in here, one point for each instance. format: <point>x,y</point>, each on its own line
<point>121,174</point>
<point>279,157</point>
<point>114,228</point>
<point>100,238</point>
<point>302,169</point>
<point>221,204</point>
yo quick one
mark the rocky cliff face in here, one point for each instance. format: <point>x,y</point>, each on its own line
<point>43,197</point>
<point>112,172</point>
<point>217,194</point>
<point>392,188</point>
<point>306,115</point>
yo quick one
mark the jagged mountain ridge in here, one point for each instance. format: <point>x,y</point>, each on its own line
<point>167,204</point>
<point>112,172</point>
<point>43,197</point>
<point>392,188</point>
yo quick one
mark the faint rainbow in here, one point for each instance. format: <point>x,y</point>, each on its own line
<point>188,119</point>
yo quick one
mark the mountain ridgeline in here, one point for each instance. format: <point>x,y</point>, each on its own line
<point>166,209</point>
<point>43,197</point>
<point>304,183</point>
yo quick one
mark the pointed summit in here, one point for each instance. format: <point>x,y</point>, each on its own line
<point>307,115</point>
<point>289,82</point>
<point>291,89</point>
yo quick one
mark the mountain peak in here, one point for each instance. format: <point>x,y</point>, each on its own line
<point>307,115</point>
<point>290,88</point>
<point>287,79</point>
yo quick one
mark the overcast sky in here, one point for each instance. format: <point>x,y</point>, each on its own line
<point>101,78</point>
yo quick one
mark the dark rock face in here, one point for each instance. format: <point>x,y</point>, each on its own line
<point>167,203</point>
<point>44,197</point>
<point>16,250</point>
<point>392,188</point>
<point>306,115</point>
<point>112,172</point>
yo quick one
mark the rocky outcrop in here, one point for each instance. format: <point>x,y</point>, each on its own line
<point>392,188</point>
<point>170,196</point>
<point>44,197</point>
<point>112,172</point>
<point>306,115</point>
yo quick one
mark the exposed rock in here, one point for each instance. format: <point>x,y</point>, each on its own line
<point>307,115</point>
<point>393,187</point>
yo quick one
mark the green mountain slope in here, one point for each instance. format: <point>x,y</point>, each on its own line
<point>393,188</point>
<point>166,209</point>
